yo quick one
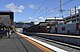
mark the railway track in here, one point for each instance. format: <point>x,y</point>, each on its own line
<point>65,46</point>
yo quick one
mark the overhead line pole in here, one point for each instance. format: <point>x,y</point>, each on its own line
<point>71,14</point>
<point>61,10</point>
<point>61,6</point>
<point>75,14</point>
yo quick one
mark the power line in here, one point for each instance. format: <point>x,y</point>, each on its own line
<point>55,8</point>
<point>39,7</point>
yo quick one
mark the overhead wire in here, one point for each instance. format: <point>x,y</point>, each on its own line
<point>38,7</point>
<point>47,13</point>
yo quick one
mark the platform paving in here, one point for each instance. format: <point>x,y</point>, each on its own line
<point>17,44</point>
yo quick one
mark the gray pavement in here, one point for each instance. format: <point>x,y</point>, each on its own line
<point>17,44</point>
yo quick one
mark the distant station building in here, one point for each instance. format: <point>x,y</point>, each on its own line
<point>41,27</point>
<point>67,25</point>
<point>20,25</point>
<point>44,27</point>
<point>72,19</point>
<point>70,26</point>
<point>23,25</point>
<point>54,20</point>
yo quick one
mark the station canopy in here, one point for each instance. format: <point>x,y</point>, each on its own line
<point>5,20</point>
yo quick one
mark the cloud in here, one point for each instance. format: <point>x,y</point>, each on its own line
<point>21,7</point>
<point>12,7</point>
<point>31,6</point>
<point>40,18</point>
<point>36,20</point>
<point>30,17</point>
<point>78,7</point>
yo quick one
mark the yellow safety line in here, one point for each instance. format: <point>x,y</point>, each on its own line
<point>43,48</point>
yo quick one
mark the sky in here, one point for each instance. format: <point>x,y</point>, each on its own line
<point>37,10</point>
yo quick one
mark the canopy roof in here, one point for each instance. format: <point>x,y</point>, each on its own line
<point>6,18</point>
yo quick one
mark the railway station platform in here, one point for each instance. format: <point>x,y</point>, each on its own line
<point>11,44</point>
<point>16,43</point>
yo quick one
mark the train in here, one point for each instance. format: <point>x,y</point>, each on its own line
<point>35,28</point>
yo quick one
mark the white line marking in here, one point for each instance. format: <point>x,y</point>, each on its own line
<point>45,44</point>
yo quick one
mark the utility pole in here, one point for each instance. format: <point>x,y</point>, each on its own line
<point>61,6</point>
<point>75,14</point>
<point>55,17</point>
<point>61,10</point>
<point>71,14</point>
